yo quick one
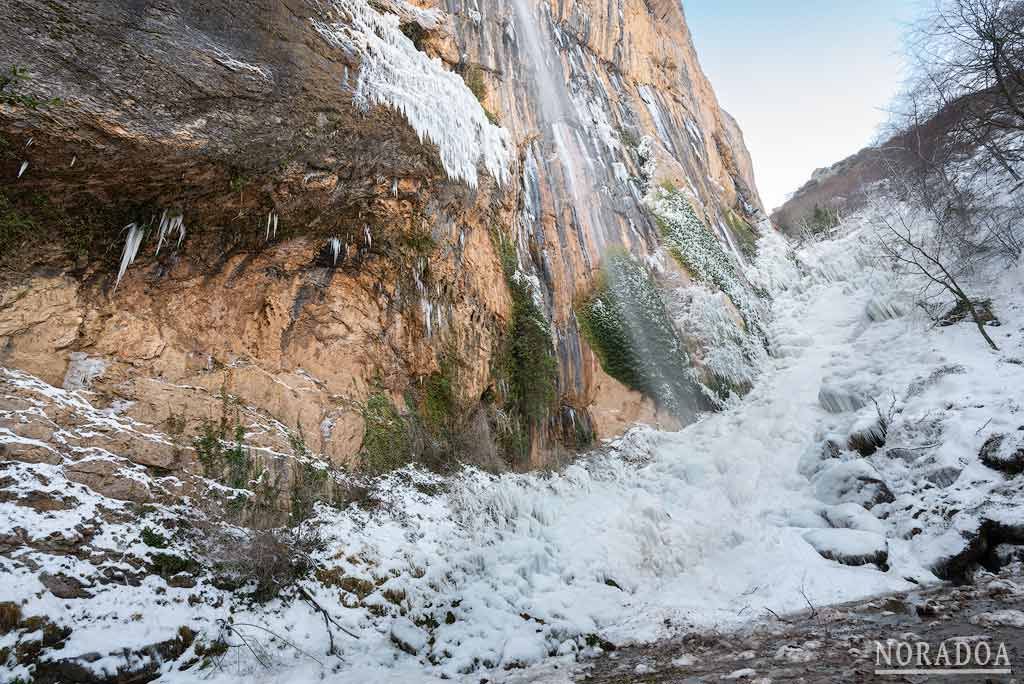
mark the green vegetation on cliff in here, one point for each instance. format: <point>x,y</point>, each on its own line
<point>527,370</point>
<point>386,443</point>
<point>11,90</point>
<point>697,249</point>
<point>625,321</point>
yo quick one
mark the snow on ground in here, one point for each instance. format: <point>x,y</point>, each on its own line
<point>664,532</point>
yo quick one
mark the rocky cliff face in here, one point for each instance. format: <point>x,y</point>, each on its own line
<point>252,251</point>
<point>338,218</point>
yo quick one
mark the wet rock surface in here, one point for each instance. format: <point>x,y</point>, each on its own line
<point>838,643</point>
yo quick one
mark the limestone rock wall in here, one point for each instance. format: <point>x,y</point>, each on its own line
<point>329,255</point>
<point>581,85</point>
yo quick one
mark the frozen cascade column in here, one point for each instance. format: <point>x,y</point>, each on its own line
<point>559,123</point>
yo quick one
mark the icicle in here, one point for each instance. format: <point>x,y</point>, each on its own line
<point>395,73</point>
<point>335,245</point>
<point>271,228</point>
<point>30,141</point>
<point>367,236</point>
<point>73,160</point>
<point>168,226</point>
<point>161,231</point>
<point>131,249</point>
<point>394,187</point>
<point>24,165</point>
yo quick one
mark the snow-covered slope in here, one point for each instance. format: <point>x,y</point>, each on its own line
<point>661,532</point>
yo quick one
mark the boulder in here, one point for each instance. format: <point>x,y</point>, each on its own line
<point>943,476</point>
<point>961,312</point>
<point>1003,452</point>
<point>182,580</point>
<point>1008,553</point>
<point>64,586</point>
<point>999,618</point>
<point>407,636</point>
<point>522,651</point>
<point>850,547</point>
<point>853,516</point>
<point>106,477</point>
<point>867,437</point>
<point>28,452</point>
<point>851,482</point>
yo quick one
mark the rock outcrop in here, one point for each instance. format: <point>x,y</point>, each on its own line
<point>318,214</point>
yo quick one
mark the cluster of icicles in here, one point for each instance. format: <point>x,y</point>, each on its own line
<point>169,226</point>
<point>436,102</point>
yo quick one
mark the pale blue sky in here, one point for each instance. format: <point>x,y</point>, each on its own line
<point>808,80</point>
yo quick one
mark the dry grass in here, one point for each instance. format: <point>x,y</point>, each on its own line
<point>10,616</point>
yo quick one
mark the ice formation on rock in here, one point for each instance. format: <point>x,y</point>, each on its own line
<point>131,249</point>
<point>435,101</point>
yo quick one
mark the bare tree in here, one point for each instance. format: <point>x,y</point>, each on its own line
<point>928,227</point>
<point>967,67</point>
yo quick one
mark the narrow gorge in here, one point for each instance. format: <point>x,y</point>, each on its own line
<point>409,340</point>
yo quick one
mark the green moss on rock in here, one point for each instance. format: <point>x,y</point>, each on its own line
<point>690,241</point>
<point>527,369</point>
<point>744,233</point>
<point>529,359</point>
<point>386,442</point>
<point>697,249</point>
<point>626,323</point>
<point>439,405</point>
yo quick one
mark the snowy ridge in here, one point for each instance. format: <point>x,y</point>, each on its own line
<point>435,101</point>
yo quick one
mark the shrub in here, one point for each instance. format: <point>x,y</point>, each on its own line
<point>169,564</point>
<point>221,459</point>
<point>153,538</point>
<point>348,492</point>
<point>307,486</point>
<point>823,219</point>
<point>268,560</point>
<point>386,443</point>
<point>10,616</point>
